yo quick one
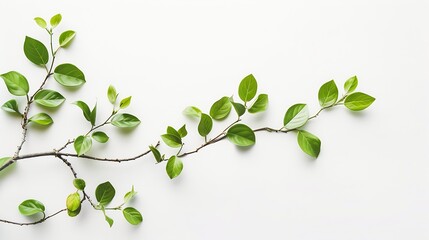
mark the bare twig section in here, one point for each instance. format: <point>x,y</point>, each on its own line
<point>43,219</point>
<point>66,162</point>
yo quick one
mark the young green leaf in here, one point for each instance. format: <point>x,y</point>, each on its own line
<point>172,131</point>
<point>11,106</point>
<point>85,109</point>
<point>16,83</point>
<point>358,101</point>
<point>247,88</point>
<point>93,115</point>
<point>156,154</point>
<point>192,111</point>
<point>351,84</point>
<point>79,183</point>
<point>41,22</point>
<point>125,102</point>
<point>30,207</point>
<point>220,109</point>
<point>41,119</point>
<point>239,108</point>
<point>125,120</point>
<point>172,140</point>
<point>182,131</point>
<point>241,135</point>
<point>82,144</point>
<point>69,75</point>
<point>66,38</point>
<point>174,167</point>
<point>100,137</point>
<point>74,213</point>
<point>73,202</point>
<point>205,126</point>
<point>111,94</point>
<point>328,94</point>
<point>132,216</point>
<point>49,98</point>
<point>309,143</point>
<point>296,116</point>
<point>107,218</point>
<point>260,104</point>
<point>104,193</point>
<point>129,195</point>
<point>35,51</point>
<point>55,20</point>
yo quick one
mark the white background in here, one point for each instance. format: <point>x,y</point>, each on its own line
<point>370,181</point>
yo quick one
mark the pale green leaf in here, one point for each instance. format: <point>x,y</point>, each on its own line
<point>192,111</point>
<point>358,101</point>
<point>125,120</point>
<point>351,84</point>
<point>41,119</point>
<point>296,116</point>
<point>55,20</point>
<point>49,98</point>
<point>82,144</point>
<point>111,94</point>
<point>41,22</point>
<point>328,94</point>
<point>16,83</point>
<point>69,75</point>
<point>129,195</point>
<point>260,104</point>
<point>73,202</point>
<point>125,102</point>
<point>66,38</point>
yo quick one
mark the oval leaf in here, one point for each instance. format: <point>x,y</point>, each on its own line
<point>182,131</point>
<point>241,135</point>
<point>105,193</point>
<point>328,94</point>
<point>82,144</point>
<point>132,216</point>
<point>205,126</point>
<point>55,20</point>
<point>172,131</point>
<point>174,167</point>
<point>69,75</point>
<point>100,137</point>
<point>35,51</point>
<point>220,109</point>
<point>172,140</point>
<point>66,38</point>
<point>260,104</point>
<point>16,83</point>
<point>41,119</point>
<point>309,143</point>
<point>358,101</point>
<point>74,213</point>
<point>79,183</point>
<point>49,98</point>
<point>296,116</point>
<point>125,102</point>
<point>41,22</point>
<point>247,88</point>
<point>11,106</point>
<point>73,202</point>
<point>129,195</point>
<point>192,111</point>
<point>125,120</point>
<point>111,94</point>
<point>31,207</point>
<point>351,84</point>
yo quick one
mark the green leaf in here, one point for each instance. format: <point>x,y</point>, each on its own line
<point>93,115</point>
<point>247,88</point>
<point>174,167</point>
<point>220,109</point>
<point>351,84</point>
<point>239,108</point>
<point>73,202</point>
<point>125,102</point>
<point>125,120</point>
<point>205,126</point>
<point>328,94</point>
<point>132,216</point>
<point>172,131</point>
<point>100,137</point>
<point>260,104</point>
<point>30,207</point>
<point>296,116</point>
<point>35,51</point>
<point>41,119</point>
<point>156,154</point>
<point>192,111</point>
<point>41,22</point>
<point>82,144</point>
<point>55,20</point>
<point>4,160</point>
<point>309,143</point>
<point>66,38</point>
<point>104,193</point>
<point>107,218</point>
<point>241,135</point>
<point>49,98</point>
<point>182,131</point>
<point>74,213</point>
<point>79,183</point>
<point>16,83</point>
<point>69,75</point>
<point>129,195</point>
<point>358,101</point>
<point>11,106</point>
<point>85,109</point>
<point>111,94</point>
<point>172,140</point>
